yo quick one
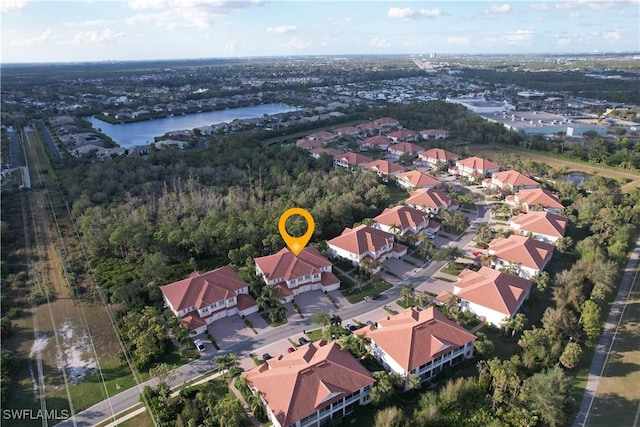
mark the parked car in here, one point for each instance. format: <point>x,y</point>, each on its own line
<point>430,236</point>
<point>266,357</point>
<point>375,296</point>
<point>199,345</point>
<point>350,326</point>
<point>303,341</point>
<point>291,350</point>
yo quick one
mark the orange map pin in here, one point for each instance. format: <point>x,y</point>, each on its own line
<point>296,244</point>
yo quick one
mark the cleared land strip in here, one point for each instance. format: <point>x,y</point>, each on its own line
<point>571,165</point>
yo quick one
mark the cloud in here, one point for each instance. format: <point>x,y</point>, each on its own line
<point>185,13</point>
<point>540,6</point>
<point>518,37</point>
<point>563,41</point>
<point>90,23</point>
<point>409,13</point>
<point>498,9</point>
<point>296,43</point>
<point>380,42</point>
<point>11,5</point>
<point>458,40</point>
<point>282,29</point>
<point>612,35</point>
<point>97,37</point>
<point>38,40</point>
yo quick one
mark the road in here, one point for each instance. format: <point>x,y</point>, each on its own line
<point>606,339</point>
<point>101,411</point>
<point>14,138</point>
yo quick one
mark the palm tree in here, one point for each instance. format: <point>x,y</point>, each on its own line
<point>336,320</point>
<point>518,323</point>
<point>406,293</point>
<point>322,318</point>
<point>414,382</point>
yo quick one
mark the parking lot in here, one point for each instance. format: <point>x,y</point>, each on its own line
<point>231,330</point>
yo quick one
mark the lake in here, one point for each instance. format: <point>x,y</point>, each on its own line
<point>143,133</point>
<point>577,177</point>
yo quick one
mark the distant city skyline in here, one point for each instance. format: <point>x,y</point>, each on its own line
<point>97,30</point>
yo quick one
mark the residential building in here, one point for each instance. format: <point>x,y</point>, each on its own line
<point>403,135</point>
<point>397,150</point>
<point>384,168</point>
<point>291,275</point>
<point>202,298</point>
<point>535,199</point>
<point>322,135</point>
<point>368,128</point>
<point>347,130</point>
<point>521,255</point>
<point>366,246</point>
<point>419,342</point>
<point>308,144</point>
<point>311,386</point>
<point>351,160</point>
<point>434,134</point>
<point>406,221</point>
<point>432,201</point>
<point>474,168</point>
<point>490,294</point>
<point>316,152</point>
<point>378,142</point>
<point>544,226</point>
<point>413,180</point>
<point>436,156</point>
<point>386,122</point>
<point>510,181</point>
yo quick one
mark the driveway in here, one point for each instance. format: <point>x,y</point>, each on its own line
<point>312,302</point>
<point>398,267</point>
<point>231,330</point>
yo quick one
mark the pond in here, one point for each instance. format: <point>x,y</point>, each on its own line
<point>577,177</point>
<point>143,133</point>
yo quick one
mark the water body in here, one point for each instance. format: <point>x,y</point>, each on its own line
<point>577,177</point>
<point>143,133</point>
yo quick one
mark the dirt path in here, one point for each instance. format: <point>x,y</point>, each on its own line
<point>572,166</point>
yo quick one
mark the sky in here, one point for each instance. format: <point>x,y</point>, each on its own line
<point>95,30</point>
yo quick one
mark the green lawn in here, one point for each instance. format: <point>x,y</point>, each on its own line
<point>397,195</point>
<point>357,294</point>
<point>453,268</point>
<point>314,335</point>
<point>141,420</point>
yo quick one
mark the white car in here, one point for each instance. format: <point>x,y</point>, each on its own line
<point>199,345</point>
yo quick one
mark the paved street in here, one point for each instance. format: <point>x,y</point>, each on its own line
<point>276,338</point>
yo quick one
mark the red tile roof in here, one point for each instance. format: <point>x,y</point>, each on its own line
<point>522,250</point>
<point>330,151</point>
<point>203,289</point>
<point>513,179</point>
<point>403,134</point>
<point>288,266</point>
<point>536,196</point>
<point>353,158</point>
<point>542,223</point>
<point>434,132</point>
<point>386,121</point>
<point>438,154</point>
<point>376,140</point>
<point>321,134</point>
<point>403,217</point>
<point>429,197</point>
<point>478,163</point>
<point>415,336</point>
<point>245,301</point>
<point>362,239</point>
<point>493,289</point>
<point>308,144</point>
<point>418,179</point>
<point>406,148</point>
<point>384,167</point>
<point>300,383</point>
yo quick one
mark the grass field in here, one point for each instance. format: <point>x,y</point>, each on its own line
<point>617,400</point>
<point>571,165</point>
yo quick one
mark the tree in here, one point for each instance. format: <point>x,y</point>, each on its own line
<point>256,407</point>
<point>268,297</point>
<point>484,345</point>
<point>164,373</point>
<point>541,281</point>
<point>321,318</point>
<point>390,417</point>
<point>571,355</point>
<point>591,322</point>
<point>336,320</point>
<point>406,293</point>
<point>548,395</point>
<point>226,362</point>
<point>518,323</point>
<point>382,390</point>
<point>228,412</point>
<point>565,244</point>
<point>414,382</point>
<point>449,253</point>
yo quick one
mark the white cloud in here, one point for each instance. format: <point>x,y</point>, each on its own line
<point>563,41</point>
<point>11,5</point>
<point>296,43</point>
<point>90,23</point>
<point>230,46</point>
<point>409,13</point>
<point>516,38</point>
<point>185,13</point>
<point>612,35</point>
<point>498,9</point>
<point>38,40</point>
<point>539,6</point>
<point>97,37</point>
<point>282,29</point>
<point>380,42</point>
<point>458,40</point>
